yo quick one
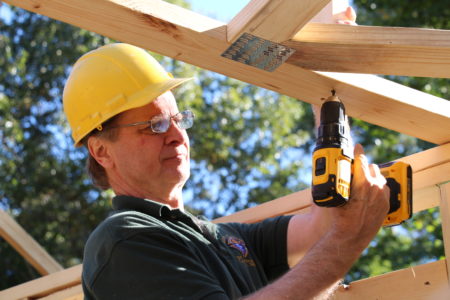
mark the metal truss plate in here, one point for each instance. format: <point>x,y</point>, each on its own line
<point>258,52</point>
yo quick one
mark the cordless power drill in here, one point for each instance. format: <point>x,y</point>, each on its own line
<point>333,166</point>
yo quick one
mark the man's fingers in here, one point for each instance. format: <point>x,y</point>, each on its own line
<point>347,17</point>
<point>350,14</point>
<point>358,150</point>
<point>361,166</point>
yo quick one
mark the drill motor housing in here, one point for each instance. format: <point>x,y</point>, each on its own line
<point>333,167</point>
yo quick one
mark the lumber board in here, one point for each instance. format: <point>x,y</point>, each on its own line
<point>300,202</point>
<point>281,206</point>
<point>427,281</point>
<point>398,100</point>
<point>372,49</point>
<point>190,37</point>
<point>27,247</point>
<point>430,167</point>
<point>434,175</point>
<point>71,293</point>
<point>426,198</point>
<point>429,158</point>
<point>445,219</point>
<point>273,20</point>
<point>44,286</point>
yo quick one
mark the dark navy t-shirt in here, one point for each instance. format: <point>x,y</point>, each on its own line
<point>145,250</point>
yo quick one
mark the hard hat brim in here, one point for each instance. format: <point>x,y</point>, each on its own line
<point>141,98</point>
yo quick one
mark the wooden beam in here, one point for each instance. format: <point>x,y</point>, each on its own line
<point>445,219</point>
<point>281,206</point>
<point>430,168</point>
<point>44,286</point>
<point>193,38</point>
<point>392,100</point>
<point>426,198</point>
<point>431,176</point>
<point>429,158</point>
<point>20,240</point>
<point>71,293</point>
<point>300,202</point>
<point>372,50</point>
<point>427,281</point>
<point>274,20</point>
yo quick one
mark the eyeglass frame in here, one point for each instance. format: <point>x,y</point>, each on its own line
<point>149,122</point>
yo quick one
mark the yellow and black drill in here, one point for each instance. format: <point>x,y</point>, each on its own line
<point>333,166</point>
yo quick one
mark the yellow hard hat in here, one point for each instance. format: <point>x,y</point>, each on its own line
<point>109,80</point>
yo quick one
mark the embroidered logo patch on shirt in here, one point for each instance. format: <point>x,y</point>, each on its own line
<point>237,244</point>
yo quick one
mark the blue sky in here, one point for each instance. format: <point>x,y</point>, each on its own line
<point>220,10</point>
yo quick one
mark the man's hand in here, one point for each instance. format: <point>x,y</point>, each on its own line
<point>331,239</point>
<point>363,215</point>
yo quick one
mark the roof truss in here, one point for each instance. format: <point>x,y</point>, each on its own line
<point>184,35</point>
<point>267,18</point>
<point>372,49</point>
<point>193,38</point>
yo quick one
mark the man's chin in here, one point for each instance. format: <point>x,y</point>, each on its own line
<point>179,174</point>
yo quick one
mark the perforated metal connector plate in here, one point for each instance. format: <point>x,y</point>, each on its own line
<point>258,52</point>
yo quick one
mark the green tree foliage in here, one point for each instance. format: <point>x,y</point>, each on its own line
<point>245,141</point>
<point>249,145</point>
<point>420,239</point>
<point>43,184</point>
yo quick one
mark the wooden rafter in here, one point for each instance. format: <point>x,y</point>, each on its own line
<point>427,281</point>
<point>274,20</point>
<point>196,39</point>
<point>23,243</point>
<point>372,50</point>
<point>445,218</point>
<point>44,286</point>
<point>430,167</point>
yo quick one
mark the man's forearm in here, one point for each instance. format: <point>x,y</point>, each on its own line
<point>325,264</point>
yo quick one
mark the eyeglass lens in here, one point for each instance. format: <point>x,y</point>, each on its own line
<point>161,123</point>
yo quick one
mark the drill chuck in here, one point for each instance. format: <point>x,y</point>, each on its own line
<point>333,131</point>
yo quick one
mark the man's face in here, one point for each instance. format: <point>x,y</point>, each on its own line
<point>146,164</point>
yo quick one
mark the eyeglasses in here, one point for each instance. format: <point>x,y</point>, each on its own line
<point>161,123</point>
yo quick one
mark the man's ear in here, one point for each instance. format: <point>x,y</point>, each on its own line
<point>100,151</point>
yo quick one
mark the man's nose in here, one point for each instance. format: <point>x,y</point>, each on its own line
<point>175,135</point>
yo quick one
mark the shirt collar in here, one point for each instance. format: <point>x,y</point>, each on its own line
<point>146,206</point>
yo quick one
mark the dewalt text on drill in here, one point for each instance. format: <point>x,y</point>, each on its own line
<point>333,166</point>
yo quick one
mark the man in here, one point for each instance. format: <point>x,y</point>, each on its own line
<point>119,105</point>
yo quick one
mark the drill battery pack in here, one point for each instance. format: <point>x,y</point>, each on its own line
<point>332,170</point>
<point>399,179</point>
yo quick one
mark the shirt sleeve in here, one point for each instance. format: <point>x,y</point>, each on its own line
<point>268,240</point>
<point>155,266</point>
